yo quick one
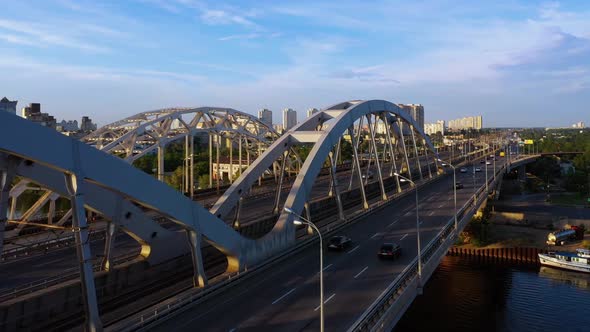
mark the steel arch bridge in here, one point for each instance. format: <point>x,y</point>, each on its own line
<point>108,185</point>
<point>148,132</point>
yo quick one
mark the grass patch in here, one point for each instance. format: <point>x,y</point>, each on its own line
<point>571,199</point>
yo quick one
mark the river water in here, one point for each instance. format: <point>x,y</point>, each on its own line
<point>469,295</point>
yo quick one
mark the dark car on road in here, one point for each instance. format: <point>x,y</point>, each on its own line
<point>389,250</point>
<point>463,170</point>
<point>339,242</point>
<point>458,185</point>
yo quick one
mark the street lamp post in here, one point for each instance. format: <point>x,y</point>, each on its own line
<point>304,221</point>
<point>486,164</point>
<point>454,188</point>
<point>417,225</point>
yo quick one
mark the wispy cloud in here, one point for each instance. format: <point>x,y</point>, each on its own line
<point>221,17</point>
<point>41,35</point>
<point>95,73</point>
<point>241,36</point>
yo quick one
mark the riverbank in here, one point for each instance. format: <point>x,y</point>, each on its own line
<point>521,236</point>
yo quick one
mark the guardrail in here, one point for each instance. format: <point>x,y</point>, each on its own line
<point>66,275</point>
<point>373,316</point>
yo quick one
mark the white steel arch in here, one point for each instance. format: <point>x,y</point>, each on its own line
<point>142,133</point>
<point>332,123</point>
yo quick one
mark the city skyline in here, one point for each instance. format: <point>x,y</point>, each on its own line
<point>115,59</point>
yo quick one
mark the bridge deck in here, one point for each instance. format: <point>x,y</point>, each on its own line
<point>286,299</point>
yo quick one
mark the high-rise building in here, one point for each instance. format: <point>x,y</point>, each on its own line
<point>311,112</point>
<point>469,122</point>
<point>265,116</point>
<point>67,126</point>
<point>580,125</point>
<point>8,106</point>
<point>433,128</point>
<point>33,113</point>
<point>278,128</point>
<point>86,125</point>
<point>289,119</point>
<point>416,112</point>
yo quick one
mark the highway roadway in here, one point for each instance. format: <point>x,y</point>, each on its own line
<point>287,297</point>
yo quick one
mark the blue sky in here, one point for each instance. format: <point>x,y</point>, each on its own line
<point>518,63</point>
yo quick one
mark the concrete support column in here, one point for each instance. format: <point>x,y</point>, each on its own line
<point>217,156</point>
<point>210,160</point>
<point>161,163</point>
<point>238,212</point>
<point>109,244</point>
<point>75,186</point>
<point>199,278</point>
<point>231,160</point>
<point>308,216</point>
<point>6,178</point>
<point>51,212</point>
<point>240,155</point>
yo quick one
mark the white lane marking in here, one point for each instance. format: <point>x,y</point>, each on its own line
<point>232,330</point>
<point>421,222</point>
<point>258,283</point>
<point>441,205</point>
<point>431,213</point>
<point>403,237</point>
<point>372,237</point>
<point>407,214</point>
<point>280,298</point>
<point>363,270</point>
<point>353,249</point>
<point>393,223</point>
<point>327,267</point>
<point>326,301</point>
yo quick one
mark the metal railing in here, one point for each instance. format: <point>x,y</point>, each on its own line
<point>372,315</point>
<point>66,275</point>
